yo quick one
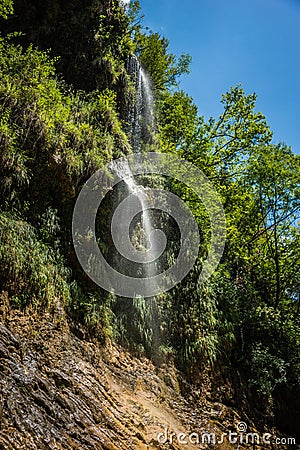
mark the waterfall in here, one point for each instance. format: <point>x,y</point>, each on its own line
<point>141,114</point>
<point>142,236</point>
<point>142,127</point>
<point>140,117</point>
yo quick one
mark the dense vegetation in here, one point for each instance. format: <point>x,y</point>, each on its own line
<point>62,116</point>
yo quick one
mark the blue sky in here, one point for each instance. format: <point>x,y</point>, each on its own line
<point>252,42</point>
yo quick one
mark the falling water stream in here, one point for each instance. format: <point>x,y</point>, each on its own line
<point>141,130</point>
<point>141,115</point>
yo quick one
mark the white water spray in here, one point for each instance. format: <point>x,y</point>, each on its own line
<point>143,239</point>
<point>141,121</point>
<point>141,130</point>
<point>141,114</point>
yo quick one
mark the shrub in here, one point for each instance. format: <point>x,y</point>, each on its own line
<point>30,271</point>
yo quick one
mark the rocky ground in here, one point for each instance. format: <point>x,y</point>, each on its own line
<point>62,392</point>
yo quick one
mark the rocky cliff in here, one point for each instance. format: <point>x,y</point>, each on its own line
<point>59,391</point>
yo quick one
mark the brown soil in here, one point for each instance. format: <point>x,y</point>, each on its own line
<point>61,392</point>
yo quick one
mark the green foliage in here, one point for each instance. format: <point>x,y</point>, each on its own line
<point>163,67</point>
<point>135,17</point>
<point>137,325</point>
<point>31,271</point>
<point>178,120</point>
<point>279,210</point>
<point>200,332</point>
<point>91,38</point>
<point>46,131</point>
<point>6,8</point>
<point>271,349</point>
<point>247,314</point>
<point>92,309</point>
<point>239,127</point>
<point>51,140</point>
<point>267,371</point>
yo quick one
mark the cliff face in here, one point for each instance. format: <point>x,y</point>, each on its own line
<point>87,36</point>
<point>62,392</point>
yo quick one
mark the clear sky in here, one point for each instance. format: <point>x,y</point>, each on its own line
<point>252,42</point>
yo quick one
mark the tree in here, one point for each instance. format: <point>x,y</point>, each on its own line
<point>178,120</point>
<point>274,172</point>
<point>163,67</point>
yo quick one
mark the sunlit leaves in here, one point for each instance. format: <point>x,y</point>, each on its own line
<point>238,129</point>
<point>163,66</point>
<point>6,8</point>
